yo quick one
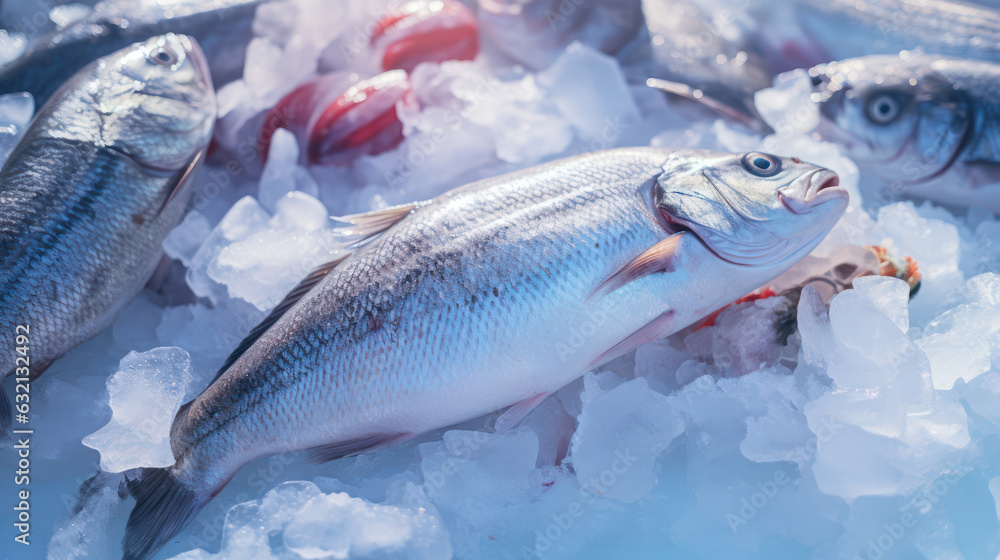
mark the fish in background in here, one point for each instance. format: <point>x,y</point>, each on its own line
<point>222,28</point>
<point>86,198</point>
<point>926,125</point>
<point>703,55</point>
<point>535,32</point>
<point>473,301</point>
<point>849,28</point>
<point>685,50</point>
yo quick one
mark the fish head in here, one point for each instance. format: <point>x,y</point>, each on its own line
<point>156,102</point>
<point>750,209</point>
<point>902,118</point>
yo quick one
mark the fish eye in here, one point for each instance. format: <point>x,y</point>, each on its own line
<point>884,108</point>
<point>164,56</point>
<point>760,164</point>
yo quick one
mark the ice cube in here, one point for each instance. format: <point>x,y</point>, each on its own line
<point>282,173</point>
<point>590,91</point>
<point>144,394</point>
<point>298,520</point>
<point>12,44</point>
<point>621,433</point>
<point>960,342</point>
<point>263,267</point>
<point>787,106</point>
<point>243,219</point>
<point>183,242</point>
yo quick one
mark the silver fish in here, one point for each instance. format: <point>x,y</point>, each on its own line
<point>703,56</point>
<point>927,125</point>
<point>491,295</point>
<point>848,28</point>
<point>90,192</point>
<point>535,32</point>
<point>222,28</point>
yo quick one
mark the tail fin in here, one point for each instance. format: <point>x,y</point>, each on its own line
<point>163,507</point>
<point>6,415</point>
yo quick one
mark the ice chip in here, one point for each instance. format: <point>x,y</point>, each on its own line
<point>282,174</point>
<point>339,526</point>
<point>859,320</point>
<point>890,297</point>
<point>184,240</point>
<point>960,343</point>
<point>621,433</point>
<point>145,394</point>
<point>590,91</point>
<point>86,530</point>
<point>12,44</point>
<point>777,435</point>
<point>264,265</point>
<point>853,464</point>
<point>298,520</point>
<point>786,107</point>
<point>244,218</point>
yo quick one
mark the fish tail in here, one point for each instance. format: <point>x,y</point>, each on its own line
<point>164,505</point>
<point>6,415</point>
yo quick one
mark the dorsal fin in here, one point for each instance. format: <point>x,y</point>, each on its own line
<point>366,226</point>
<point>369,224</point>
<point>279,311</point>
<point>655,259</point>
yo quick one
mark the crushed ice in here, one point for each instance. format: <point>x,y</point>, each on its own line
<point>872,432</point>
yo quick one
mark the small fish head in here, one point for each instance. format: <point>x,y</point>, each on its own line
<point>751,209</point>
<point>156,101</point>
<point>898,116</point>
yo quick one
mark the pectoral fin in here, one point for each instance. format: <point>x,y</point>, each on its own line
<point>369,224</point>
<point>517,412</point>
<point>179,179</point>
<point>657,258</point>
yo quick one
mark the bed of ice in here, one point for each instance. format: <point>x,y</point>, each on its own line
<point>873,434</point>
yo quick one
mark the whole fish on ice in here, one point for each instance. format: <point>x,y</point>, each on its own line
<point>222,28</point>
<point>927,125</point>
<point>848,28</point>
<point>88,195</point>
<point>470,302</point>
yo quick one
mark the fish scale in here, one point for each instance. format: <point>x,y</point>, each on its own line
<point>476,300</point>
<point>447,265</point>
<point>62,219</point>
<point>86,201</point>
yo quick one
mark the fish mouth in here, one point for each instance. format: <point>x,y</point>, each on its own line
<point>816,188</point>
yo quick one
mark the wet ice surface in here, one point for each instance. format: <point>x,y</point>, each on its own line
<point>873,433</point>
